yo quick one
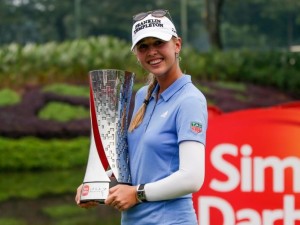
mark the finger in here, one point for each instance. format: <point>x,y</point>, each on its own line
<point>114,204</point>
<point>78,194</point>
<point>77,199</point>
<point>113,189</point>
<point>118,207</point>
<point>110,200</point>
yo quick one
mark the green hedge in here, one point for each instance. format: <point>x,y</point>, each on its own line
<point>34,184</point>
<point>279,69</point>
<point>71,61</point>
<point>31,153</point>
<point>67,61</point>
<point>9,97</point>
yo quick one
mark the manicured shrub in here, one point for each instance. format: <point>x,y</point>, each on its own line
<point>9,97</point>
<point>71,60</point>
<point>31,153</point>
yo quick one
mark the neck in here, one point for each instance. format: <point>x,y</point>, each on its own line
<point>165,81</point>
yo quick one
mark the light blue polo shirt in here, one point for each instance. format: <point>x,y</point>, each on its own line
<point>179,114</point>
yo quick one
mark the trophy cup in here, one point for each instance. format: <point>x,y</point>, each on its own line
<point>110,94</point>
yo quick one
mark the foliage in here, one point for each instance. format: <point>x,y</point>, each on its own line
<point>46,114</point>
<point>55,62</point>
<point>9,97</point>
<point>38,21</point>
<point>11,221</point>
<point>35,184</point>
<point>78,216</point>
<point>32,187</point>
<point>62,211</point>
<point>31,153</point>
<point>260,24</point>
<point>204,89</point>
<point>71,61</point>
<point>231,86</point>
<point>67,89</point>
<point>279,69</point>
<point>66,112</point>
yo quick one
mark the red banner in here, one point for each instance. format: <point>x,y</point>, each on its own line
<point>252,168</point>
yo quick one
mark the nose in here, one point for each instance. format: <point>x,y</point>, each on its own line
<point>152,50</point>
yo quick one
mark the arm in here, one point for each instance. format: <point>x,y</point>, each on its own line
<point>189,178</point>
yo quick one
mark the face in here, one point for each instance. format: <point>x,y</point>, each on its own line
<point>158,56</point>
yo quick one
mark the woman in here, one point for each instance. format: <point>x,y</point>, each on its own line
<point>166,137</point>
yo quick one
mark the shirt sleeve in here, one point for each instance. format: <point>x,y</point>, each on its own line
<point>188,179</point>
<point>191,121</point>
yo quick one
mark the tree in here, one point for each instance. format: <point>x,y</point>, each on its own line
<point>260,24</point>
<point>212,15</point>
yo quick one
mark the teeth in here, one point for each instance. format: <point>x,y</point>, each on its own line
<point>155,61</point>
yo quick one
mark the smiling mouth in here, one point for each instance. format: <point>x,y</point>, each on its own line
<point>155,61</point>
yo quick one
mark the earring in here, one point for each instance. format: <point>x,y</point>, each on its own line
<point>178,57</point>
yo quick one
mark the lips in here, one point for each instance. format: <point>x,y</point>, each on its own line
<point>155,61</point>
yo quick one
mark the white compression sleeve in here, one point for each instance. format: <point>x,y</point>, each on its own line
<point>189,178</point>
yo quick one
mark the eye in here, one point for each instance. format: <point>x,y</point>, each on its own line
<point>142,47</point>
<point>159,43</point>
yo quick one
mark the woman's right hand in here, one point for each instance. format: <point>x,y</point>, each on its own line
<point>90,204</point>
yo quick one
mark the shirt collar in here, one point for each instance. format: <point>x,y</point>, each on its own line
<point>173,88</point>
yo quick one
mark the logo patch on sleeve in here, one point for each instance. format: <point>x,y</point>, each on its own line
<point>196,127</point>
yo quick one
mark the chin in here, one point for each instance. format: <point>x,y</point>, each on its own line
<point>158,73</point>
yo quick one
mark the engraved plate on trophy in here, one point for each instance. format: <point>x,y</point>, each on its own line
<point>110,94</point>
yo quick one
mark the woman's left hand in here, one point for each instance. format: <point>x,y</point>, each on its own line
<point>122,197</point>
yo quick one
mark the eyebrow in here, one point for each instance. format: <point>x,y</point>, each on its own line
<point>154,39</point>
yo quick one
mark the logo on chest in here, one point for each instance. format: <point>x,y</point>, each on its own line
<point>164,115</point>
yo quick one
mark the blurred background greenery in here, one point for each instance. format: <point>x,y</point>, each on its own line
<point>53,44</point>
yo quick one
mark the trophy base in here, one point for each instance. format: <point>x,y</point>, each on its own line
<point>96,191</point>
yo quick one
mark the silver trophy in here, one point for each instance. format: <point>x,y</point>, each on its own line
<point>110,94</point>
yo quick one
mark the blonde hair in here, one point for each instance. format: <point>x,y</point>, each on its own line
<point>137,120</point>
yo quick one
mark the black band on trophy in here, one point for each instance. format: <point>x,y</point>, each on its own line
<point>146,102</point>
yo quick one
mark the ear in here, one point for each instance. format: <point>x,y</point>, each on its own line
<point>178,42</point>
